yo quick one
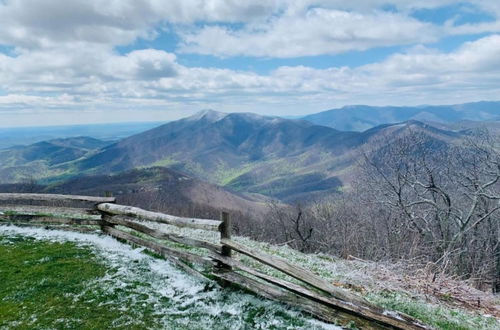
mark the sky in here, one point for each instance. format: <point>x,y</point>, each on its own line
<point>98,61</point>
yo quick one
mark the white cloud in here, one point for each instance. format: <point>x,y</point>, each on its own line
<point>66,70</point>
<point>317,31</point>
<point>22,100</point>
<point>269,28</point>
<point>420,76</point>
<point>336,27</point>
<point>40,24</point>
<point>145,64</point>
<point>36,24</point>
<point>65,55</point>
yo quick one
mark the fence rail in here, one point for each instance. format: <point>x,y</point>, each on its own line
<point>131,211</point>
<point>314,295</point>
<point>55,197</point>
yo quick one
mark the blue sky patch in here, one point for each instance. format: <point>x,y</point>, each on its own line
<point>460,13</point>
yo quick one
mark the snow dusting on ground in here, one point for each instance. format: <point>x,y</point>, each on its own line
<point>180,300</point>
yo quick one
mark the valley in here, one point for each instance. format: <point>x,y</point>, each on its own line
<point>284,159</point>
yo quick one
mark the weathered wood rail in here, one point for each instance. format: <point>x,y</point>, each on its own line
<point>313,295</point>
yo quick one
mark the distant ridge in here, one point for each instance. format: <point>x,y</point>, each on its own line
<point>363,117</point>
<point>110,131</point>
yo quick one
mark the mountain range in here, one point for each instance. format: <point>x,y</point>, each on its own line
<point>245,153</point>
<point>363,117</point>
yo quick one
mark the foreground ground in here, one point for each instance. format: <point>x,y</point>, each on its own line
<point>434,299</point>
<point>63,280</point>
<point>74,280</point>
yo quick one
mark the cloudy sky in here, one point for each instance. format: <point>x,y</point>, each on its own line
<point>84,61</point>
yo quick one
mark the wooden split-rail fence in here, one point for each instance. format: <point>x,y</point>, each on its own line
<point>222,261</point>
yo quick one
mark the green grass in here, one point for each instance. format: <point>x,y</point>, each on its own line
<point>65,285</point>
<point>9,213</point>
<point>44,285</point>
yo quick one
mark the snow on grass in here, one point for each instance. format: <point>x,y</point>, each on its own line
<point>385,284</point>
<point>141,283</point>
<point>389,285</point>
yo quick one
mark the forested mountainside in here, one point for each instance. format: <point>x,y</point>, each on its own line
<point>44,159</point>
<point>281,158</point>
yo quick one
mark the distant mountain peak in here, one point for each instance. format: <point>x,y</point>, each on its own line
<point>363,117</point>
<point>208,114</point>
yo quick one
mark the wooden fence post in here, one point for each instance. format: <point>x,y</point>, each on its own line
<point>104,222</point>
<point>225,232</point>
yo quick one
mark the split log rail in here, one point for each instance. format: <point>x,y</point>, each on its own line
<point>313,295</point>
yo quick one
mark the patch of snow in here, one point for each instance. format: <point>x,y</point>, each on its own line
<point>399,125</point>
<point>393,314</point>
<point>179,299</point>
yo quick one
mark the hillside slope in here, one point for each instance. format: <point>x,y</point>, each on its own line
<point>44,158</point>
<point>165,190</point>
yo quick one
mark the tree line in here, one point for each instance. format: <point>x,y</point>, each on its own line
<point>416,197</point>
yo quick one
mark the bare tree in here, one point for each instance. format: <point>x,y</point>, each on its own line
<point>294,225</point>
<point>447,196</point>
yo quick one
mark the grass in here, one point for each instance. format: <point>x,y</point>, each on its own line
<point>437,316</point>
<point>50,283</point>
<point>45,284</point>
<point>9,213</point>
